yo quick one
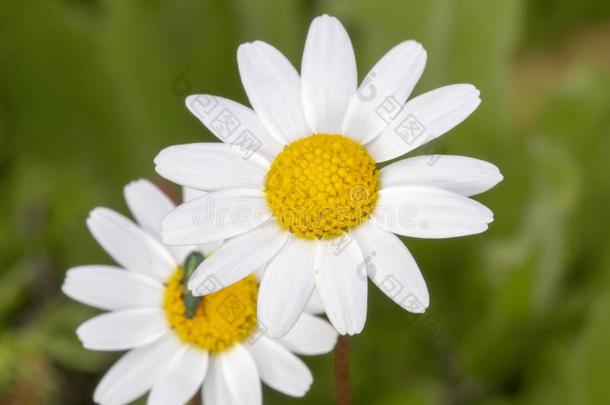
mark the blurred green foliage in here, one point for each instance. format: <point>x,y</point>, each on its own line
<point>91,90</point>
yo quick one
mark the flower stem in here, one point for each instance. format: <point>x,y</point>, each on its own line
<point>342,385</point>
<point>197,400</point>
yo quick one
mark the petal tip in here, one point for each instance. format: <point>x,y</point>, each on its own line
<point>190,99</point>
<point>499,177</point>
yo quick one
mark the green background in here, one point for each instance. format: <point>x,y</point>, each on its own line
<point>91,90</point>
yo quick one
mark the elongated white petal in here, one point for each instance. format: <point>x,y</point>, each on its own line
<point>141,195</point>
<point>189,194</point>
<point>233,379</point>
<point>428,212</point>
<point>286,287</point>
<point>210,247</point>
<point>123,329</point>
<point>112,288</point>
<point>462,175</point>
<point>392,268</point>
<point>310,336</point>
<point>214,217</point>
<point>136,372</point>
<point>384,90</point>
<point>280,369</point>
<point>130,246</point>
<point>237,258</point>
<point>315,305</point>
<point>329,75</point>
<point>423,119</point>
<point>181,251</point>
<point>342,286</point>
<point>181,379</point>
<point>273,87</point>
<point>209,166</point>
<point>148,205</point>
<point>234,124</point>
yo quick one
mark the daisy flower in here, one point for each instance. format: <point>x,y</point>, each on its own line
<point>178,343</point>
<point>296,187</point>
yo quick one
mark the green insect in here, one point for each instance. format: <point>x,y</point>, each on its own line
<point>192,261</point>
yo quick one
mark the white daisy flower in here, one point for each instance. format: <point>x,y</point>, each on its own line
<point>296,188</point>
<point>176,344</point>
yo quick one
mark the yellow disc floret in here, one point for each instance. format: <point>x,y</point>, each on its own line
<point>322,186</point>
<point>222,319</point>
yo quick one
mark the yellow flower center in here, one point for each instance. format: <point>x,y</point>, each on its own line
<point>222,319</point>
<point>322,186</point>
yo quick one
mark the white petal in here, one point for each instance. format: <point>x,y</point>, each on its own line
<point>148,205</point>
<point>234,124</point>
<point>233,379</point>
<point>423,119</point>
<point>237,258</point>
<point>210,247</point>
<point>280,369</point>
<point>258,273</point>
<point>392,268</point>
<point>462,175</point>
<point>130,246</point>
<point>329,75</point>
<point>181,252</point>
<point>342,286</point>
<point>310,336</point>
<point>273,87</point>
<point>181,379</point>
<point>210,166</point>
<point>112,288</point>
<point>286,287</point>
<point>189,194</point>
<point>315,305</point>
<point>136,372</point>
<point>123,329</point>
<point>215,216</point>
<point>383,91</point>
<point>428,212</point>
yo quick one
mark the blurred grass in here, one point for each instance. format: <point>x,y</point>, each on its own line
<point>91,90</point>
